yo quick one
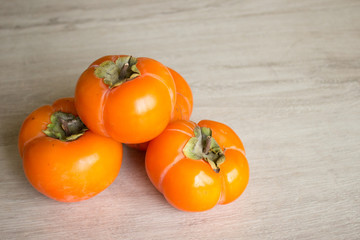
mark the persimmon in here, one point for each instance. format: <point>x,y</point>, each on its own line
<point>62,158</point>
<point>126,98</point>
<point>197,166</point>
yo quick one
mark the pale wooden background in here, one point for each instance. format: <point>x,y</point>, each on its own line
<point>285,75</point>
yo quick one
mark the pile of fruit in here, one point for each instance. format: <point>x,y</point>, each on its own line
<point>72,150</point>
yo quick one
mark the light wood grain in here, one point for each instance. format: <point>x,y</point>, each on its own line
<point>285,75</point>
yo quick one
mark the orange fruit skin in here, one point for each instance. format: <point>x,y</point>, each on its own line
<point>183,106</point>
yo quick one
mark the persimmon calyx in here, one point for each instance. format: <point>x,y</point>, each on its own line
<point>204,146</point>
<point>116,73</point>
<point>65,127</point>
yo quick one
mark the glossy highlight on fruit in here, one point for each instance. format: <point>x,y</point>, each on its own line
<point>183,106</point>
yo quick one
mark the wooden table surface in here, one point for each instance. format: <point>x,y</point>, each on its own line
<point>285,75</point>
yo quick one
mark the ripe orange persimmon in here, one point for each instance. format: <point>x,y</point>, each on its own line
<point>196,166</point>
<point>183,106</point>
<point>64,160</point>
<point>126,98</point>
